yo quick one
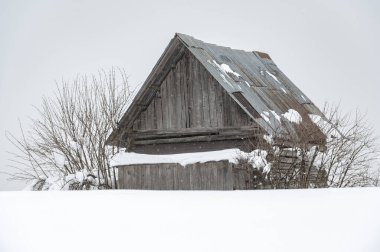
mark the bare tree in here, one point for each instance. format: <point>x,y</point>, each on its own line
<point>351,149</point>
<point>67,140</point>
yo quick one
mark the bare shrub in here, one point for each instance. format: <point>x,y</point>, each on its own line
<point>68,138</point>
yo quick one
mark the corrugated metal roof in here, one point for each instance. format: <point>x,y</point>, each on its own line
<point>259,80</point>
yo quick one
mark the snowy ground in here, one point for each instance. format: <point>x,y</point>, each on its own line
<point>293,220</point>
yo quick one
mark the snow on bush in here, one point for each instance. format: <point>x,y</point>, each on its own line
<point>81,180</point>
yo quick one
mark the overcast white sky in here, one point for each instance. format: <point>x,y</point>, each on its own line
<point>329,49</point>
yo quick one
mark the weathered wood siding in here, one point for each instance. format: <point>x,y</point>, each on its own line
<point>189,97</point>
<point>198,176</point>
<point>215,175</point>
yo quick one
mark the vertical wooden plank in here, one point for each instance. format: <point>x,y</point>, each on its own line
<point>197,94</point>
<point>210,174</point>
<point>120,178</point>
<point>185,177</point>
<point>143,120</point>
<point>138,172</point>
<point>205,98</point>
<point>226,109</point>
<point>197,176</point>
<point>134,126</point>
<point>142,176</point>
<point>130,177</point>
<point>178,97</point>
<point>220,175</point>
<point>159,177</point>
<point>154,117</point>
<point>176,177</point>
<point>190,98</point>
<point>138,123</point>
<point>165,105</point>
<point>125,177</point>
<point>212,101</point>
<point>149,117</point>
<point>229,182</point>
<point>171,169</point>
<point>206,175</point>
<point>173,99</point>
<point>202,176</point>
<point>146,112</point>
<point>198,170</point>
<point>154,177</point>
<point>183,93</point>
<point>146,181</point>
<point>133,178</point>
<point>158,107</point>
<point>165,177</point>
<point>191,176</point>
<point>219,103</point>
<point>184,89</point>
<point>214,176</point>
<point>233,112</point>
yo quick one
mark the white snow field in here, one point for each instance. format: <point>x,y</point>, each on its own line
<point>273,220</point>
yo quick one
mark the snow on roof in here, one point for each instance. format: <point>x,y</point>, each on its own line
<point>344,220</point>
<point>293,116</point>
<point>257,158</point>
<point>224,68</point>
<point>326,127</point>
<point>265,116</point>
<point>278,118</point>
<point>274,77</point>
<point>128,158</point>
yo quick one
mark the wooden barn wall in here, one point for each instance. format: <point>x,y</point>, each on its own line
<point>214,175</point>
<point>189,97</point>
<point>198,176</point>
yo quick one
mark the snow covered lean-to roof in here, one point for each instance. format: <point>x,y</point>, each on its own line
<point>257,158</point>
<point>252,80</point>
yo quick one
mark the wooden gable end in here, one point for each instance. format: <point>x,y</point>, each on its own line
<point>189,97</point>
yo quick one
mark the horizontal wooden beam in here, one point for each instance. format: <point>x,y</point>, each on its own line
<point>189,139</point>
<point>180,133</point>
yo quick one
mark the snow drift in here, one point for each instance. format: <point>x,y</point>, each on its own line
<point>278,220</point>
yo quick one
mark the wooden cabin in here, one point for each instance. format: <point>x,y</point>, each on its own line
<point>202,97</point>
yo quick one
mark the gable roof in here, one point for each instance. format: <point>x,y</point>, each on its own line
<point>252,79</point>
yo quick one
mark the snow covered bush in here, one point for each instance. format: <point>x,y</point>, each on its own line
<point>65,146</point>
<point>257,168</point>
